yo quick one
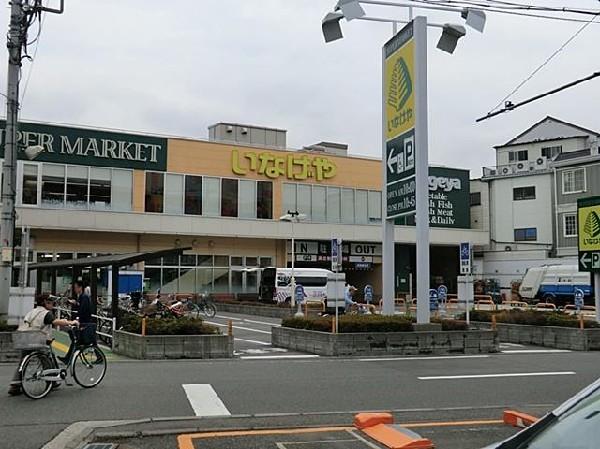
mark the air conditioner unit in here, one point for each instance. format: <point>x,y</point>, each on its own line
<point>521,167</point>
<point>505,170</point>
<point>244,130</point>
<point>541,162</point>
<point>229,129</point>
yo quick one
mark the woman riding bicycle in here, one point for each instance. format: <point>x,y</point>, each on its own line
<point>41,318</point>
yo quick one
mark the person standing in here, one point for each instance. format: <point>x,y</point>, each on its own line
<point>84,318</point>
<point>41,318</point>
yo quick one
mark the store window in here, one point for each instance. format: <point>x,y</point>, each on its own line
<point>155,190</point>
<point>229,197</point>
<point>173,196</point>
<point>264,200</point>
<point>573,181</point>
<point>53,185</point>
<point>121,190</point>
<point>361,209</point>
<point>77,187</point>
<point>570,225</point>
<point>374,206</point>
<point>304,200</point>
<point>525,234</point>
<point>30,184</point>
<point>334,204</point>
<point>319,203</point>
<point>475,198</point>
<point>193,195</point>
<point>100,188</point>
<point>347,206</point>
<point>247,203</point>
<point>211,197</point>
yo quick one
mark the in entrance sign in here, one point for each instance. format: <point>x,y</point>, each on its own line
<point>588,226</point>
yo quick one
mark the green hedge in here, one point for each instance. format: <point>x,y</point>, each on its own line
<point>7,327</point>
<point>351,323</point>
<point>531,317</point>
<point>168,326</point>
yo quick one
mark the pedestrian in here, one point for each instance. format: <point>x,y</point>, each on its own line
<point>348,301</point>
<point>41,318</point>
<point>84,318</point>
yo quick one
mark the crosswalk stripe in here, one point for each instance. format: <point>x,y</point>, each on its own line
<point>204,400</point>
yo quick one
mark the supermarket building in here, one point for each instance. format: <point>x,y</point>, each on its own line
<point>94,192</point>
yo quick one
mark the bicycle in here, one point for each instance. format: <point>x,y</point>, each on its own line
<point>40,371</point>
<point>207,305</point>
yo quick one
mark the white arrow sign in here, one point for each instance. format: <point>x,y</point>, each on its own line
<point>585,259</point>
<point>391,160</point>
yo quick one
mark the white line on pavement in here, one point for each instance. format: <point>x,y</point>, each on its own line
<point>534,351</point>
<point>288,356</point>
<point>239,327</point>
<point>488,376</point>
<point>204,400</point>
<point>254,341</point>
<point>412,359</point>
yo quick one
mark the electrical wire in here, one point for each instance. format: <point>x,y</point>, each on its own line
<point>544,63</point>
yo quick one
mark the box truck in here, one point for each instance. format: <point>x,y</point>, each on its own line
<point>555,284</point>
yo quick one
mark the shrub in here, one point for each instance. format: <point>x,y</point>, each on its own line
<point>351,323</point>
<point>4,327</point>
<point>531,317</point>
<point>168,326</point>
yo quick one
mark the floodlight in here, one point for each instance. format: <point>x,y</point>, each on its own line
<point>474,18</point>
<point>451,33</point>
<point>331,26</point>
<point>32,152</point>
<point>351,9</point>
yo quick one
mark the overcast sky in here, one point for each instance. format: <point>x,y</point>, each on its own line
<point>175,67</point>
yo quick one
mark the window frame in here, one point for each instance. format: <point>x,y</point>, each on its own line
<point>566,226</point>
<point>521,234</point>
<point>523,193</point>
<point>573,172</point>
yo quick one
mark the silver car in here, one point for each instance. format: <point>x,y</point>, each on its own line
<point>573,425</point>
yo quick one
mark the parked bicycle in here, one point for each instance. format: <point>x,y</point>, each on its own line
<point>40,371</point>
<point>207,305</point>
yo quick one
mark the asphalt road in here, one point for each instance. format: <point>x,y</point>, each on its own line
<point>286,389</point>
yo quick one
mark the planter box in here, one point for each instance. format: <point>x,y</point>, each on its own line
<point>258,310</point>
<point>380,343</point>
<point>558,337</point>
<point>173,346</point>
<point>7,353</point>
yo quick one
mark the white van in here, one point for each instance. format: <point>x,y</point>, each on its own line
<point>318,283</point>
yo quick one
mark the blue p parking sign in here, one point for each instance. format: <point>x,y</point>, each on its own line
<point>433,300</point>
<point>299,293</point>
<point>578,298</point>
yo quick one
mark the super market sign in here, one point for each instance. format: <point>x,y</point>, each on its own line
<point>91,147</point>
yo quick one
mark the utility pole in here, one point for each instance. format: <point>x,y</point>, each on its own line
<point>22,14</point>
<point>17,35</point>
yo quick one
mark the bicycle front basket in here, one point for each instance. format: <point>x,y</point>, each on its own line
<point>29,339</point>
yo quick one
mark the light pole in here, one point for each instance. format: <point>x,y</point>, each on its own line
<point>294,216</point>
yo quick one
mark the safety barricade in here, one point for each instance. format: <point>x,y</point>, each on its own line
<point>313,307</point>
<point>545,306</point>
<point>510,305</point>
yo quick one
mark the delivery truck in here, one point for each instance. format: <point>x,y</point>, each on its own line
<point>555,284</point>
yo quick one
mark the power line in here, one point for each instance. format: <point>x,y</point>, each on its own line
<point>544,63</point>
<point>510,106</point>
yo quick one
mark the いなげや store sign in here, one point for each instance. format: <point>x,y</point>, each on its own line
<point>92,147</point>
<point>293,166</point>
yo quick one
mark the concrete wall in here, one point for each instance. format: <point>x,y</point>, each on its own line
<point>173,346</point>
<point>7,353</point>
<point>380,343</point>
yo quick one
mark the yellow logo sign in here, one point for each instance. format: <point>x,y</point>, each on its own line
<point>589,228</point>
<point>399,91</point>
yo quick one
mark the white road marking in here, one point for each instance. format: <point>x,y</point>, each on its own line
<point>412,359</point>
<point>254,341</point>
<point>204,400</point>
<point>283,356</point>
<point>535,351</point>
<point>489,376</point>
<point>239,327</point>
<point>511,345</point>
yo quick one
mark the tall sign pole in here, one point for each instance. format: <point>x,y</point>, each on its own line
<point>17,34</point>
<point>588,236</point>
<point>404,154</point>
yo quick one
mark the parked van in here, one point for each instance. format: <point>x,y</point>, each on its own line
<point>320,284</point>
<point>555,284</point>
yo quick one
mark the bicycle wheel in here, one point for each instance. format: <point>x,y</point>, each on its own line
<point>192,310</point>
<point>209,308</point>
<point>89,366</point>
<point>33,384</point>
